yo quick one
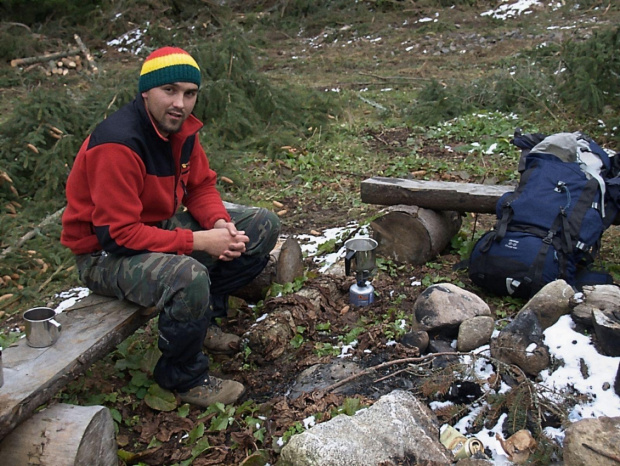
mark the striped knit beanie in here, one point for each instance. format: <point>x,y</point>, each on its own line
<point>168,65</point>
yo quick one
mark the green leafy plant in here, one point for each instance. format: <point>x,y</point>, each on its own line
<point>298,339</point>
<point>326,349</point>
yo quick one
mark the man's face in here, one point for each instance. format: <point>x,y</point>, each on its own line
<point>170,105</point>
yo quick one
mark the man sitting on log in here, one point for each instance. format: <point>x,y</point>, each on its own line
<point>132,241</point>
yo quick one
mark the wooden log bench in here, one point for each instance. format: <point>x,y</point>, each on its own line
<point>421,216</point>
<point>91,329</point>
<point>436,195</point>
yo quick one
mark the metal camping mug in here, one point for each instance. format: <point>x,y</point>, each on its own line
<point>41,328</point>
<point>360,255</point>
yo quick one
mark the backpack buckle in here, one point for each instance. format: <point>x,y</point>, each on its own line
<point>549,238</point>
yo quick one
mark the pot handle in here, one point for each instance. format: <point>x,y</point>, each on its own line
<point>347,261</point>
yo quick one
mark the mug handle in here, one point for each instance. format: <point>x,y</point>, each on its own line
<point>58,325</point>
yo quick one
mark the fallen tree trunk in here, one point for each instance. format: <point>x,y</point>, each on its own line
<point>42,58</point>
<point>413,235</point>
<point>63,435</point>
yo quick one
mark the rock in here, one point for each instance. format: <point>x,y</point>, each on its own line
<point>475,332</point>
<point>445,360</point>
<point>396,429</point>
<point>601,297</point>
<point>321,376</point>
<point>617,382</point>
<point>593,442</point>
<point>416,339</point>
<point>521,343</point>
<point>474,462</point>
<point>551,302</point>
<point>445,306</point>
<point>607,328</point>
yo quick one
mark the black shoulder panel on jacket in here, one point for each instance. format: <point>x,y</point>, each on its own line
<point>131,127</point>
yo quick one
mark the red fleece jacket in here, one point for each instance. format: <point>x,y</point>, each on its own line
<point>127,178</point>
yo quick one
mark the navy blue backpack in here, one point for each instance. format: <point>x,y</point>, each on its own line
<point>550,227</point>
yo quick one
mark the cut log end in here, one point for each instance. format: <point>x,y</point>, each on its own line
<point>412,235</point>
<point>63,435</point>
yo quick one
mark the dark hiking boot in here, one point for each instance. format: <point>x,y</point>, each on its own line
<point>213,390</point>
<point>218,342</point>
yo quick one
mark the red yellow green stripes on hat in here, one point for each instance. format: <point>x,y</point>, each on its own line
<point>168,65</point>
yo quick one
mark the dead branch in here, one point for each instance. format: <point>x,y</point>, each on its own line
<point>383,365</point>
<point>89,58</point>
<point>393,78</point>
<point>46,221</point>
<point>42,58</point>
<point>21,25</point>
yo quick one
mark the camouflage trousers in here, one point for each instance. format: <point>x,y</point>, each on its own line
<point>182,288</point>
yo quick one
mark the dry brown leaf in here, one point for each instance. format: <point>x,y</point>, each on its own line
<point>518,446</point>
<point>281,212</point>
<point>4,297</point>
<point>277,204</point>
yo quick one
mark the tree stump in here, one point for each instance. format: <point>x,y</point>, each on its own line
<point>63,435</point>
<point>413,235</point>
